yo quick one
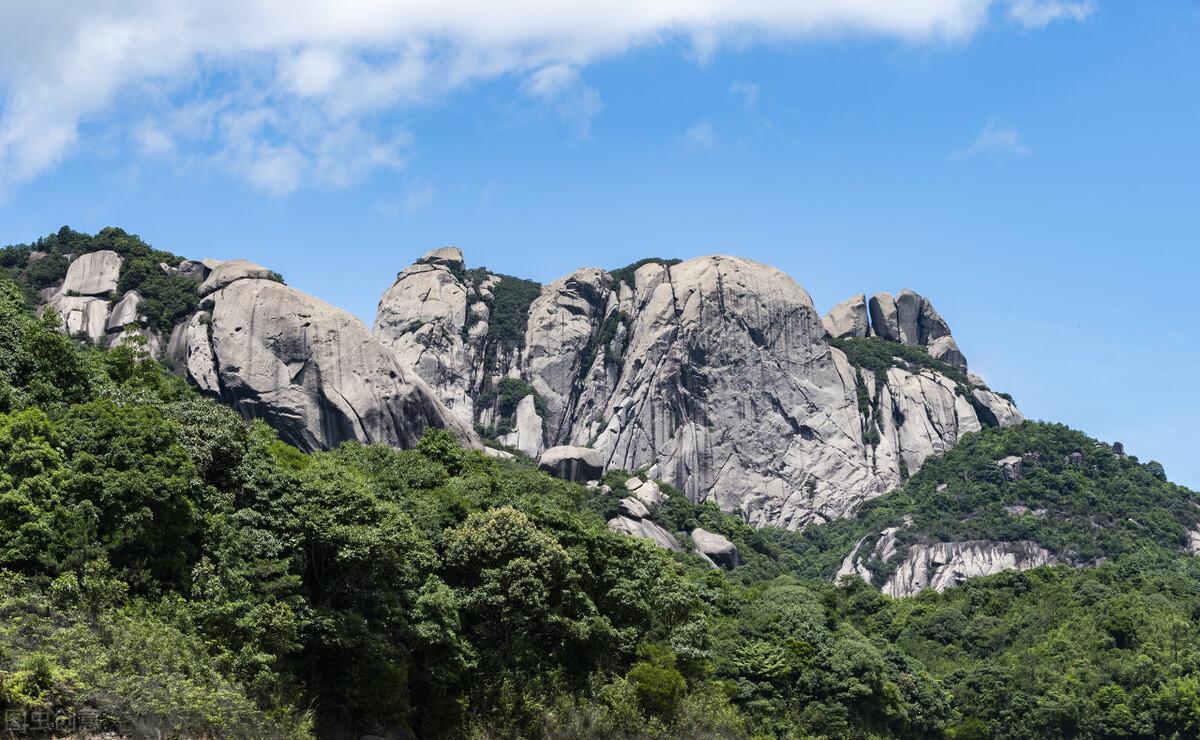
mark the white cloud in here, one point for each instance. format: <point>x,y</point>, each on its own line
<point>330,66</point>
<point>747,91</point>
<point>1041,13</point>
<point>560,86</point>
<point>994,138</point>
<point>700,136</point>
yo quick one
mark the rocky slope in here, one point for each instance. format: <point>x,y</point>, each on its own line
<point>311,370</point>
<point>718,370</point>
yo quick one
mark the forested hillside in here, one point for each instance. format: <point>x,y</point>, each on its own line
<point>182,572</point>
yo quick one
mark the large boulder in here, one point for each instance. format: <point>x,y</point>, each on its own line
<point>848,318</point>
<point>573,463</point>
<point>93,274</point>
<point>229,272</point>
<point>193,270</point>
<point>125,311</point>
<point>82,314</point>
<point>309,369</point>
<point>944,348</point>
<point>716,548</point>
<point>995,409</point>
<point>884,320</point>
<point>646,529</point>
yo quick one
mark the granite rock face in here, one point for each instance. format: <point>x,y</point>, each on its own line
<point>645,529</point>
<point>93,274</point>
<point>86,314</point>
<point>944,564</point>
<point>226,273</point>
<point>717,373</point>
<point>312,371</point>
<point>717,370</point>
<point>579,464</point>
<point>125,311</point>
<point>848,319</point>
<point>717,548</point>
<point>421,318</point>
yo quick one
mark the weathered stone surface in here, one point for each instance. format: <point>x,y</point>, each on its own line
<point>646,529</point>
<point>527,433</point>
<point>884,320</point>
<point>93,274</point>
<point>997,410</point>
<point>884,549</point>
<point>946,349</point>
<point>227,273</point>
<point>647,491</point>
<point>726,382</point>
<point>945,564</point>
<point>633,508</point>
<point>1011,467</point>
<point>848,318</point>
<point>716,548</point>
<point>86,314</point>
<point>908,316</point>
<point>312,371</point>
<point>193,270</point>
<point>562,324</point>
<point>448,257</point>
<point>921,415</point>
<point>125,312</point>
<point>579,464</point>
<point>1193,542</point>
<point>423,318</point>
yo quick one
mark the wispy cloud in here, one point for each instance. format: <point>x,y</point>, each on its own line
<point>292,94</point>
<point>994,138</point>
<point>415,198</point>
<point>560,87</point>
<point>747,91</point>
<point>699,136</point>
<point>1032,14</point>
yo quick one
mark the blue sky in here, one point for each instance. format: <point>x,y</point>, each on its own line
<point>1032,167</point>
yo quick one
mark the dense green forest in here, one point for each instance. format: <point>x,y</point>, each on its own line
<point>186,574</point>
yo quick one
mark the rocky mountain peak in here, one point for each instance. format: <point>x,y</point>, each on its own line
<point>717,372</point>
<point>906,318</point>
<point>448,257</point>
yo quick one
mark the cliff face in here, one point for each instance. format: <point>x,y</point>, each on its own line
<point>718,371</point>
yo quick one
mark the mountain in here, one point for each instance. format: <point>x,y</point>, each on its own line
<point>716,374</point>
<point>173,570</point>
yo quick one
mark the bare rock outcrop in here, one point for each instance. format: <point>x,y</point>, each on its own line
<point>578,464</point>
<point>421,318</point>
<point>125,311</point>
<point>717,548</point>
<point>848,318</point>
<point>81,314</point>
<point>230,271</point>
<point>996,410</point>
<point>717,370</point>
<point>945,564</point>
<point>312,371</point>
<point>93,274</point>
<point>944,348</point>
<point>526,435</point>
